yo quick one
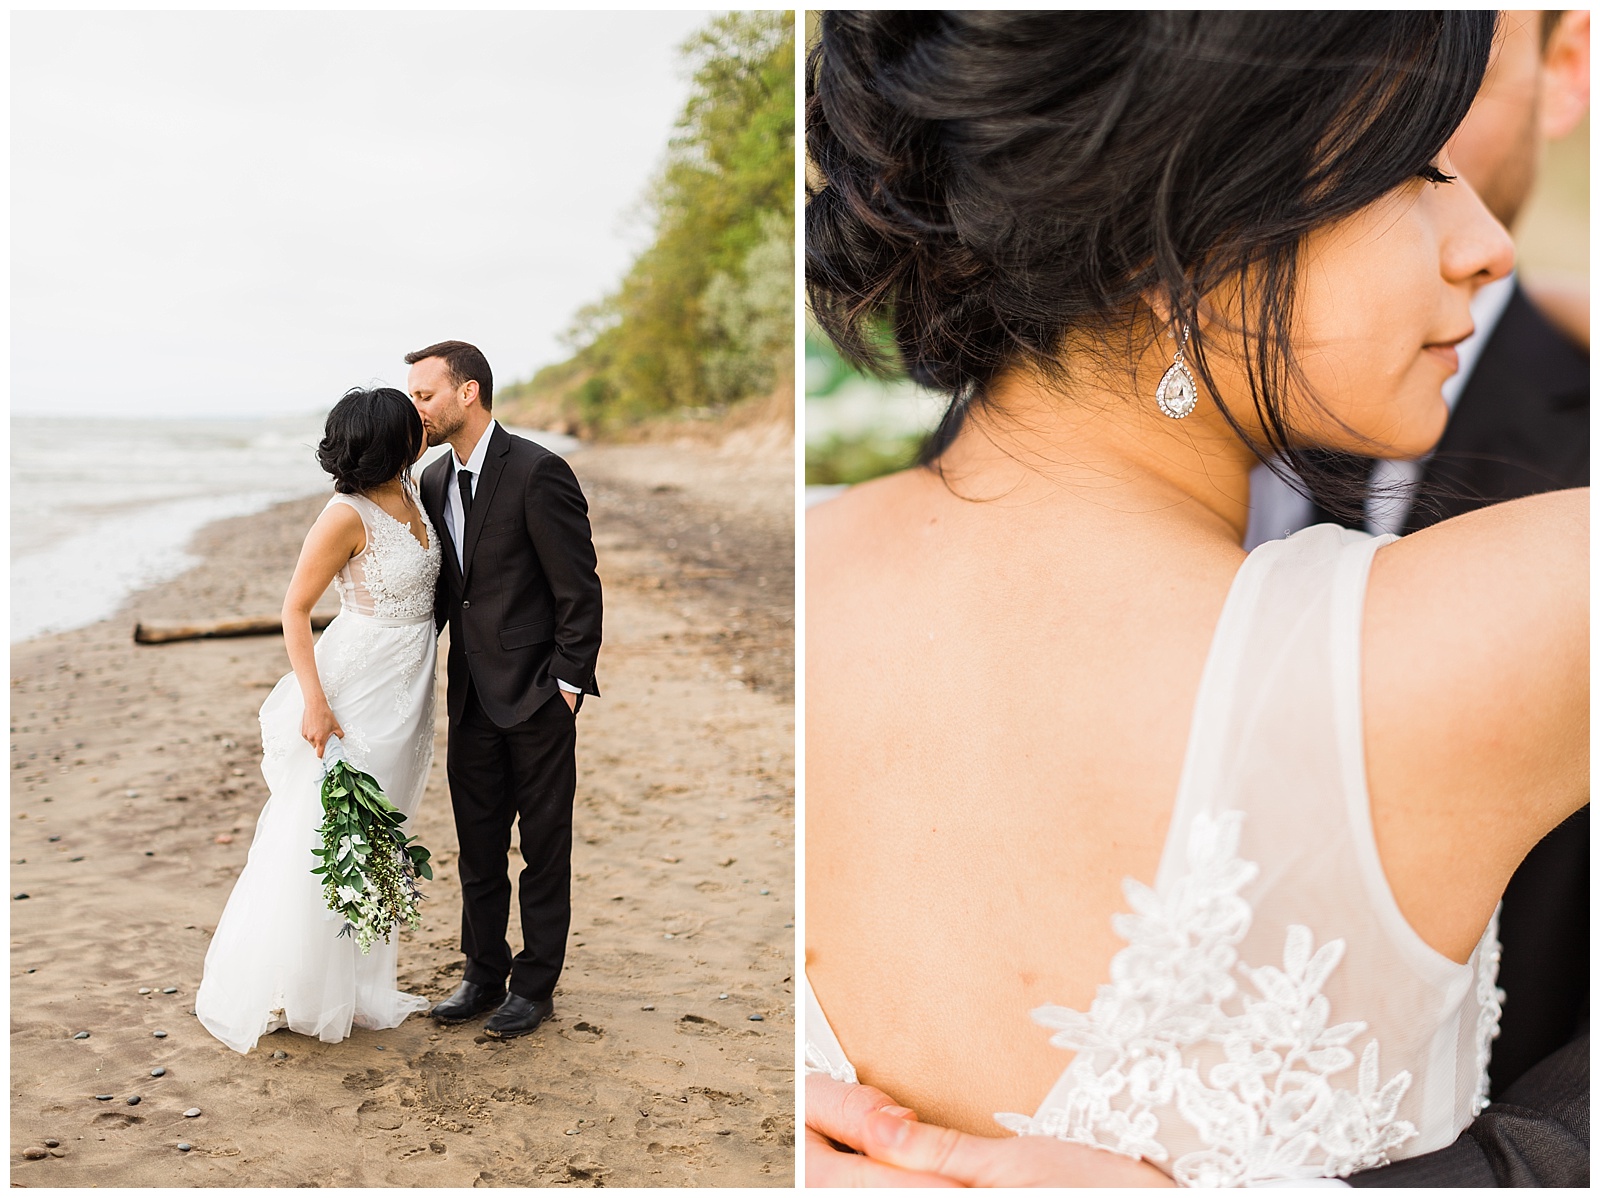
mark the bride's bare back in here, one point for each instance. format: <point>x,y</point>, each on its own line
<point>998,700</point>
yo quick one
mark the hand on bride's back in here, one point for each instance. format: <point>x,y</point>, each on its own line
<point>317,725</point>
<point>901,1151</point>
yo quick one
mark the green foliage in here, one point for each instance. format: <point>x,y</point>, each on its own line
<point>826,370</point>
<point>852,460</point>
<point>705,314</point>
<point>369,865</point>
<point>748,323</point>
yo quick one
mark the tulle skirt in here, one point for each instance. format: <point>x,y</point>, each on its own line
<point>277,959</point>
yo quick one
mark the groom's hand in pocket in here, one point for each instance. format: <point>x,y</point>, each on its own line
<point>835,1116</point>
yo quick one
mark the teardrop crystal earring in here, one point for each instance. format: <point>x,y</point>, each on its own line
<point>1175,393</point>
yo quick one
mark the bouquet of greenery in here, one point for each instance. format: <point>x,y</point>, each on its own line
<point>369,866</point>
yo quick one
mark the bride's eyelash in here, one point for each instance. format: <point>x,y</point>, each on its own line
<point>1434,175</point>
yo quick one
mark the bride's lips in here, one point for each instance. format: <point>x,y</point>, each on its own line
<point>1446,351</point>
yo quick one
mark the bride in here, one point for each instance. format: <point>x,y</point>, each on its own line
<point>277,959</point>
<point>1232,827</point>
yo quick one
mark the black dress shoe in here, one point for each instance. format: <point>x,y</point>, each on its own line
<point>518,1016</point>
<point>469,999</point>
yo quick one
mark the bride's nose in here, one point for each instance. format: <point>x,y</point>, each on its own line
<point>1477,249</point>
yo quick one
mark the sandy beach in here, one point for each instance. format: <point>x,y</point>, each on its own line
<point>670,1060</point>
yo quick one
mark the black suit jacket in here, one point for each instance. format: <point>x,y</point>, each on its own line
<point>1521,427</point>
<point>525,609</point>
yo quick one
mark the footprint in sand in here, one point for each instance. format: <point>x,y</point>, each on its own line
<point>373,1114</point>
<point>582,1033</point>
<point>116,1119</point>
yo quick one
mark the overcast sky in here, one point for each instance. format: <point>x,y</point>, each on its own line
<point>239,213</point>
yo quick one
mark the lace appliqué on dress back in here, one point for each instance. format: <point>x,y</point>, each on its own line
<point>1272,1108</point>
<point>1490,998</point>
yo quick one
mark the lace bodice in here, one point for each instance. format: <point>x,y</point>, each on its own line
<point>394,576</point>
<point>1273,1015</point>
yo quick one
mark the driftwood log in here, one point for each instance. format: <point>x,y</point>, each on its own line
<point>162,634</point>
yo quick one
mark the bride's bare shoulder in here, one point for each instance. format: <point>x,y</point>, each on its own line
<point>1475,683</point>
<point>844,533</point>
<point>1521,565</point>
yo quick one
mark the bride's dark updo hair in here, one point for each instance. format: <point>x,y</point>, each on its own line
<point>370,437</point>
<point>987,182</point>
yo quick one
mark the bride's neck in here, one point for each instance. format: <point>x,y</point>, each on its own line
<point>1105,441</point>
<point>393,489</point>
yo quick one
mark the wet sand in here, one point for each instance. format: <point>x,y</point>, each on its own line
<point>135,788</point>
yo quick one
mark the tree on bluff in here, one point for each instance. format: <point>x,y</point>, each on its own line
<point>704,315</point>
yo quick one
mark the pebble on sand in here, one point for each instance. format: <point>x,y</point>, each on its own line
<point>169,990</point>
<point>134,1100</point>
<point>34,1153</point>
<point>20,895</point>
<point>159,1035</point>
<point>182,1147</point>
<point>224,838</point>
<point>104,1097</point>
<point>52,1143</point>
<point>58,1152</point>
<point>145,990</point>
<point>80,1035</point>
<point>757,1019</point>
<point>649,1006</point>
<point>159,1071</point>
<point>280,1055</point>
<point>192,1113</point>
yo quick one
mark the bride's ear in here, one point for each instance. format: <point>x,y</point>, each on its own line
<point>1164,321</point>
<point>1160,304</point>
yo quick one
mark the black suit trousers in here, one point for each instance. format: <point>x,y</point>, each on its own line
<point>525,774</point>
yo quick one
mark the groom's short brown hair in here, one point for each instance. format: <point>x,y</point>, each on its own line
<point>466,363</point>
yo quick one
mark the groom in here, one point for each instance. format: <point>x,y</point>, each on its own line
<point>519,590</point>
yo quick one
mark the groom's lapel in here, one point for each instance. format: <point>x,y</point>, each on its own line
<point>483,495</point>
<point>434,481</point>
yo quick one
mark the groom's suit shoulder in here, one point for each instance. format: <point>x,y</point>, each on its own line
<point>538,466</point>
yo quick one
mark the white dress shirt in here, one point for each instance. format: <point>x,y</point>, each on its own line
<point>1277,509</point>
<point>458,519</point>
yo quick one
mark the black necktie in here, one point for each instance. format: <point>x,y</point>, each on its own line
<point>464,477</point>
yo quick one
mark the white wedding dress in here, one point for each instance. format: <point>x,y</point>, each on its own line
<point>277,959</point>
<point>1273,1015</point>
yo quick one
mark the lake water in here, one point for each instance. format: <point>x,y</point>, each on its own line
<point>103,508</point>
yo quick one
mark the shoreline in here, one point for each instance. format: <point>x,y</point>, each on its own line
<point>99,567</point>
<point>135,791</point>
